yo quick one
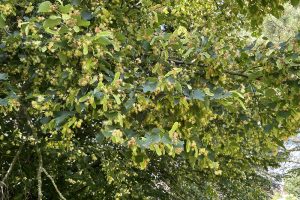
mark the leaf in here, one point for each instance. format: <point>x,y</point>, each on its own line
<point>97,94</point>
<point>237,94</point>
<point>3,76</point>
<point>85,49</point>
<point>154,136</point>
<point>62,116</point>
<point>178,87</point>
<point>3,102</point>
<point>84,23</point>
<point>188,146</point>
<point>117,98</point>
<point>84,98</point>
<point>48,30</point>
<point>107,133</point>
<point>174,71</point>
<point>129,103</point>
<point>242,104</point>
<point>103,38</point>
<point>220,94</point>
<point>189,51</point>
<point>150,85</point>
<point>166,139</point>
<point>117,76</point>
<point>86,15</point>
<point>50,23</point>
<point>65,9</point>
<point>107,34</point>
<point>279,142</point>
<point>100,138</point>
<point>63,58</point>
<point>198,95</point>
<point>144,143</point>
<point>157,150</point>
<point>173,129</point>
<point>2,21</point>
<point>45,7</point>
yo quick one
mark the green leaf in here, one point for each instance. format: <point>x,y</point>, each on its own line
<point>279,142</point>
<point>85,49</point>
<point>129,103</point>
<point>103,38</point>
<point>62,116</point>
<point>45,7</point>
<point>157,150</point>
<point>65,9</point>
<point>173,129</point>
<point>86,15</point>
<point>150,85</point>
<point>3,102</point>
<point>117,77</point>
<point>2,21</point>
<point>242,104</point>
<point>63,58</point>
<point>107,34</point>
<point>117,98</point>
<point>198,95</point>
<point>50,23</point>
<point>107,133</point>
<point>100,138</point>
<point>237,94</point>
<point>84,98</point>
<point>83,23</point>
<point>220,94</point>
<point>3,76</point>
<point>188,146</point>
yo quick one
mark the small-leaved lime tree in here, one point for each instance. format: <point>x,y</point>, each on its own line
<point>148,99</point>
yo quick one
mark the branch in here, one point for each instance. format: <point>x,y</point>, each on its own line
<point>294,149</point>
<point>39,155</point>
<point>53,183</point>
<point>39,173</point>
<point>2,182</point>
<point>12,164</point>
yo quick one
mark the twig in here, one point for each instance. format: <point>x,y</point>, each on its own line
<point>39,173</point>
<point>53,183</point>
<point>2,182</point>
<point>294,149</point>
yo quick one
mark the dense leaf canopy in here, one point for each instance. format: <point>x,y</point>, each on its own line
<point>149,99</point>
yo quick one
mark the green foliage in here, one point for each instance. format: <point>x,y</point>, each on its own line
<point>292,183</point>
<point>113,106</point>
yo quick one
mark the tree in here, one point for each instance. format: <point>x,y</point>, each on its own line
<point>141,99</point>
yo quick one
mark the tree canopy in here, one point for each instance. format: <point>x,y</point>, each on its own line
<point>148,99</point>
